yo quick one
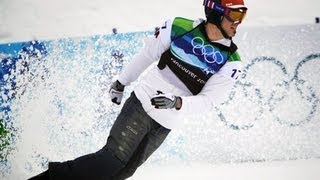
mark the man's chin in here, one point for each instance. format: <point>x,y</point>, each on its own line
<point>232,34</point>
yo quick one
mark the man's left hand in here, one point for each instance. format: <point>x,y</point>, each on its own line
<point>166,101</point>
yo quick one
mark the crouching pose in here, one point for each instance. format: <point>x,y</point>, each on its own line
<point>197,65</point>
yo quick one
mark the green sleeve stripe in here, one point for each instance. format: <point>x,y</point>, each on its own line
<point>234,57</point>
<point>180,26</point>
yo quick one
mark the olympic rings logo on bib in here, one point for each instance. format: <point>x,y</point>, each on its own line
<point>209,53</point>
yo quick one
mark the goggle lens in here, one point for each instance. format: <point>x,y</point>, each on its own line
<point>235,15</point>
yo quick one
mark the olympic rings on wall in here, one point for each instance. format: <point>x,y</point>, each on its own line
<point>267,87</point>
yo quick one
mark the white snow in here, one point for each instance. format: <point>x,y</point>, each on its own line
<point>38,19</point>
<point>288,170</point>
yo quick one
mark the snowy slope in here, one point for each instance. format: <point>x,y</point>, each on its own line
<point>27,19</point>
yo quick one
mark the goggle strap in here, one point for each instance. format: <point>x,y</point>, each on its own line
<point>215,6</point>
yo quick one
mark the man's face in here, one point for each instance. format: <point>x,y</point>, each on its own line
<point>229,27</point>
<point>231,19</point>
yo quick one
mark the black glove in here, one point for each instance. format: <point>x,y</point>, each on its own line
<point>166,101</point>
<point>116,92</point>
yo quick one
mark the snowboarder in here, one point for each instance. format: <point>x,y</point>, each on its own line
<point>197,65</point>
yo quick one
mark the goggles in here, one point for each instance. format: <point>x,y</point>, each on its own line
<point>236,15</point>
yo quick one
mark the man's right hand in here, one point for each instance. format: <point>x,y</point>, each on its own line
<point>116,92</point>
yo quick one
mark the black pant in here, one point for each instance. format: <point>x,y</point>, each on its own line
<point>133,138</point>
